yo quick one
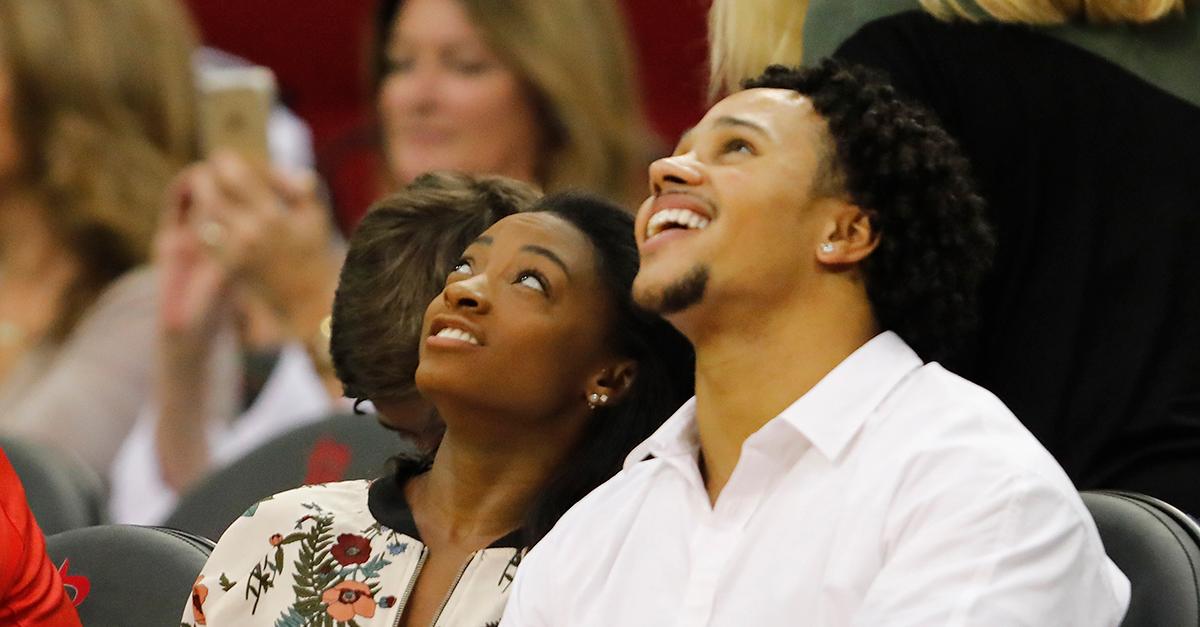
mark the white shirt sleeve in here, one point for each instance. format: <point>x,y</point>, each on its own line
<point>1007,552</point>
<point>530,602</point>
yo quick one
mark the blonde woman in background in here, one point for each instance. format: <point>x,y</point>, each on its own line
<point>96,116</point>
<point>1082,120</point>
<point>539,91</point>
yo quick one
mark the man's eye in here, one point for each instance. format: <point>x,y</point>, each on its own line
<point>532,280</point>
<point>462,267</point>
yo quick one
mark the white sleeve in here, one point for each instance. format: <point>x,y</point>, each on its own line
<point>530,604</point>
<point>1018,550</point>
<point>138,495</point>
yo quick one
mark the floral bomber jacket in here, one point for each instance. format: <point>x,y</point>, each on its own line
<point>320,556</point>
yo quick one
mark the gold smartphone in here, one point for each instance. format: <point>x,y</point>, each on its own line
<point>235,106</point>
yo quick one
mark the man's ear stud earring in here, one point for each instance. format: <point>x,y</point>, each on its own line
<point>827,247</point>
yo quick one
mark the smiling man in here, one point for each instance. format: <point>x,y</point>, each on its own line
<point>819,242</point>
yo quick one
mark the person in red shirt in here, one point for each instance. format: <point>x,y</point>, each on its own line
<point>31,592</point>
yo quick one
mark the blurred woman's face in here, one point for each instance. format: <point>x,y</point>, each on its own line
<point>448,102</point>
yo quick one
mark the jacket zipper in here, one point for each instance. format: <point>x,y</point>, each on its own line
<point>412,583</point>
<point>446,601</point>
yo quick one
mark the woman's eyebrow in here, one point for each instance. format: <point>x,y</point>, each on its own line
<point>483,239</point>
<point>548,254</point>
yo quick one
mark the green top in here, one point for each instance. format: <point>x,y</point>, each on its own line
<point>1165,54</point>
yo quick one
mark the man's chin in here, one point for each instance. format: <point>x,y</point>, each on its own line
<point>674,296</point>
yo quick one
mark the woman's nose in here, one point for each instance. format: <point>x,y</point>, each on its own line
<point>469,294</point>
<point>413,90</point>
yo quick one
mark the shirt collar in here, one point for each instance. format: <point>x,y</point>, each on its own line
<point>832,412</point>
<point>828,416</point>
<point>677,436</point>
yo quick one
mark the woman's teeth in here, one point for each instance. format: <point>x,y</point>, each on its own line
<point>457,334</point>
<point>681,218</point>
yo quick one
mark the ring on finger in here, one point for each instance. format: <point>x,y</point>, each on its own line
<point>212,234</point>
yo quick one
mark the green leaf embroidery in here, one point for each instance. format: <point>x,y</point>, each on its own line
<point>289,618</point>
<point>315,571</point>
<point>370,570</point>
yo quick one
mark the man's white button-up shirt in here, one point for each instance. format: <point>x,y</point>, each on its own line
<point>892,493</point>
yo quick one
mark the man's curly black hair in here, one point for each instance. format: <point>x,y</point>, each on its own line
<point>894,160</point>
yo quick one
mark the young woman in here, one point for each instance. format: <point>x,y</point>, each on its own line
<point>545,375</point>
<point>396,263</point>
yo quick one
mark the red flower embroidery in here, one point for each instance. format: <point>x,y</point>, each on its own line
<point>351,549</point>
<point>347,600</point>
<point>199,594</point>
<point>276,539</point>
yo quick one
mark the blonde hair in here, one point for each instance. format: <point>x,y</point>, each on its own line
<point>745,36</point>
<point>1047,12</point>
<point>103,112</point>
<point>574,56</point>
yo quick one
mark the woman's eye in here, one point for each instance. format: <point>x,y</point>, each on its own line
<point>397,65</point>
<point>462,267</point>
<point>738,145</point>
<point>532,280</point>
<point>469,68</point>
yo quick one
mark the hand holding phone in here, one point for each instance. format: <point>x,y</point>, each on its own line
<point>235,107</point>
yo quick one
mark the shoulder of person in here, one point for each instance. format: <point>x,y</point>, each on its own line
<point>342,504</point>
<point>607,509</point>
<point>131,302</point>
<point>939,422</point>
<point>137,286</point>
<point>296,556</point>
<point>343,497</point>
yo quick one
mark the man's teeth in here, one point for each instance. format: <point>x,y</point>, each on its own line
<point>458,334</point>
<point>679,217</point>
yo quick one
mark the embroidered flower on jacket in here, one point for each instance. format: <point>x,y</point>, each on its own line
<point>276,538</point>
<point>199,594</point>
<point>351,549</point>
<point>396,548</point>
<point>349,599</point>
